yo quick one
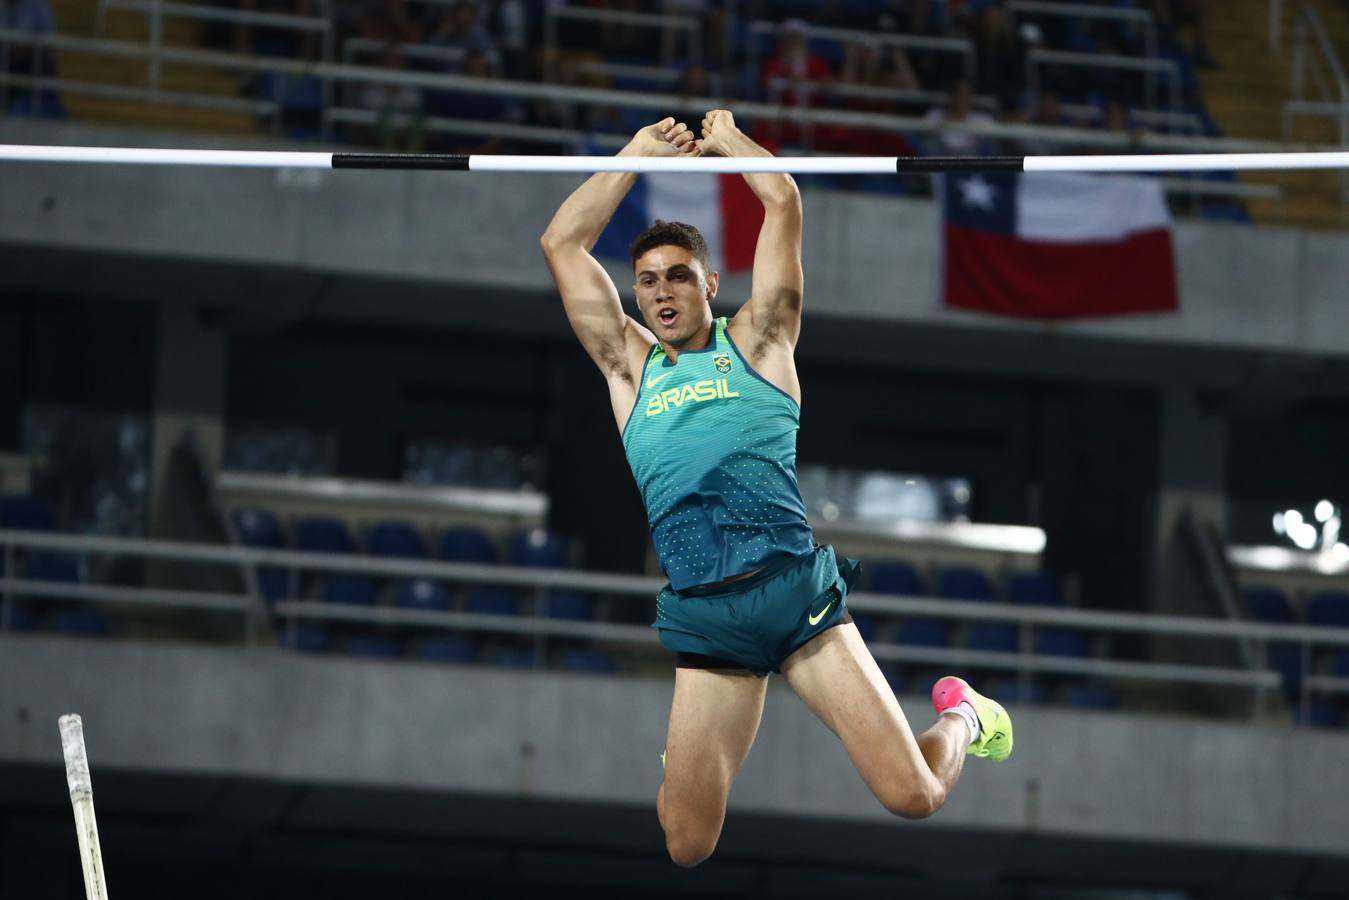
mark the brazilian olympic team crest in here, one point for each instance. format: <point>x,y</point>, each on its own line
<point>723,362</point>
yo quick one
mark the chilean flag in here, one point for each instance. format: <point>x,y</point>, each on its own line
<point>722,207</point>
<point>1048,245</point>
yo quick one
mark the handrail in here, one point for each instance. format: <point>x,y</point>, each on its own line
<point>354,45</point>
<point>779,83</point>
<point>648,586</point>
<point>1095,61</point>
<point>620,17</point>
<point>640,634</point>
<point>262,108</point>
<point>962,46</point>
<point>217,14</point>
<point>623,585</point>
<point>355,490</point>
<point>637,100</point>
<point>1309,27</point>
<point>1082,11</point>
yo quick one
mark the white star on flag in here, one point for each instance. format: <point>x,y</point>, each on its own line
<point>977,192</point>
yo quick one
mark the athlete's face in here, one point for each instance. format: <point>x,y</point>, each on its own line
<point>674,293</point>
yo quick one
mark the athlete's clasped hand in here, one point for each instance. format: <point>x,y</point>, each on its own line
<point>670,138</point>
<point>666,138</point>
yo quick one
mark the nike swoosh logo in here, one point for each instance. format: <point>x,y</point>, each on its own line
<point>652,382</point>
<point>815,620</point>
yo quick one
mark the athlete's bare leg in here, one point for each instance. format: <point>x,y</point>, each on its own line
<point>713,721</point>
<point>840,682</point>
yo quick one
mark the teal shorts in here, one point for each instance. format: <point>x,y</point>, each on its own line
<point>759,622</point>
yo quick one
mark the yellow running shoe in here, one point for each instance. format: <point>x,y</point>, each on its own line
<point>995,726</point>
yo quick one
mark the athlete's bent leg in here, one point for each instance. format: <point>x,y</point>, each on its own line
<point>713,720</point>
<point>837,678</point>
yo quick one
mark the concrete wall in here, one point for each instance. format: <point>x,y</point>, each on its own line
<point>265,714</point>
<point>866,256</point>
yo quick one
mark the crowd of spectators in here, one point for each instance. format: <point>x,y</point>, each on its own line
<point>747,50</point>
<point>740,58</point>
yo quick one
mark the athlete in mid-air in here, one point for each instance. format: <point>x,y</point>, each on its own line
<point>708,410</point>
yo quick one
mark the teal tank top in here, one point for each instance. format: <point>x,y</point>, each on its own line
<point>713,448</point>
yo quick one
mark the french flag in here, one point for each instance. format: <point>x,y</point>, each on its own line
<point>1048,245</point>
<point>722,207</point>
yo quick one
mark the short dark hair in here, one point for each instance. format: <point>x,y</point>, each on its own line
<point>673,234</point>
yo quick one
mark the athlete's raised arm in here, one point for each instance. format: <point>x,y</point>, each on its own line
<point>774,307</point>
<point>588,293</point>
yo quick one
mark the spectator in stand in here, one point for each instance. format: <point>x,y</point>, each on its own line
<point>1002,58</point>
<point>36,18</point>
<point>389,21</point>
<point>959,109</point>
<point>1115,118</point>
<point>803,70</point>
<point>287,43</point>
<point>393,103</point>
<point>1049,114</point>
<point>872,64</point>
<point>793,77</point>
<point>1190,16</point>
<point>712,25</point>
<point>462,29</point>
<point>471,106</point>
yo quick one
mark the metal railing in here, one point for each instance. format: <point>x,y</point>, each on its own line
<point>1140,17</point>
<point>961,47</point>
<point>157,10</point>
<point>1315,59</point>
<point>1039,57</point>
<point>665,24</point>
<point>334,73</point>
<point>251,609</point>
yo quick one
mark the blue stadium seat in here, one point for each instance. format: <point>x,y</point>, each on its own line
<point>1269,605</point>
<point>1286,659</point>
<point>568,605</point>
<point>374,645</point>
<point>467,545</point>
<point>896,577</point>
<point>52,565</point>
<point>25,512</point>
<point>1321,713</point>
<point>1009,690</point>
<point>323,534</point>
<point>21,617</point>
<point>922,633</point>
<point>397,538</point>
<point>997,637</point>
<point>306,636</point>
<point>964,583</point>
<point>274,583</point>
<point>421,593</point>
<point>448,648</point>
<point>1060,642</point>
<point>1090,696</point>
<point>89,622</point>
<point>538,547</point>
<point>588,661</point>
<point>1330,609</point>
<point>514,657</point>
<point>1339,664</point>
<point>355,590</point>
<point>258,527</point>
<point>493,601</point>
<point>1034,589</point>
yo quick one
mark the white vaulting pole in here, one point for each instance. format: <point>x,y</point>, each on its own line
<point>803,165</point>
<point>82,799</point>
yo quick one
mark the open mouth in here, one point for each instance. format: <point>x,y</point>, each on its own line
<point>667,316</point>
